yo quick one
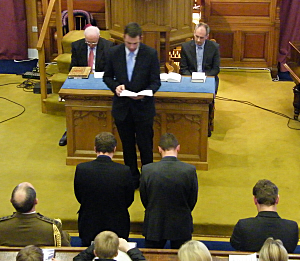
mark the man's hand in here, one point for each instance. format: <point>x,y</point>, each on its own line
<point>123,245</point>
<point>138,97</point>
<point>119,89</point>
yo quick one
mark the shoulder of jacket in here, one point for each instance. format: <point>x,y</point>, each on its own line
<point>49,220</point>
<point>8,217</point>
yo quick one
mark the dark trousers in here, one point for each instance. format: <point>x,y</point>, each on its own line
<point>175,244</point>
<point>134,132</point>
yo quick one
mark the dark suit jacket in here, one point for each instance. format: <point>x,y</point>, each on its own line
<point>211,58</point>
<point>105,191</point>
<point>169,192</point>
<point>79,53</point>
<point>250,234</point>
<point>145,76</point>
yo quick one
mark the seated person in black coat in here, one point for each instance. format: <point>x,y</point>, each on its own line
<point>250,234</point>
<point>106,246</point>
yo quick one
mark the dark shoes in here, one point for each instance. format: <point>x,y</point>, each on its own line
<point>63,140</point>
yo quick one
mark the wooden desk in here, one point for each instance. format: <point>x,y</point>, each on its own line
<point>185,114</point>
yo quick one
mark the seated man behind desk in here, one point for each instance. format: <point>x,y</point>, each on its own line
<point>250,234</point>
<point>200,54</point>
<point>89,51</point>
<point>26,226</point>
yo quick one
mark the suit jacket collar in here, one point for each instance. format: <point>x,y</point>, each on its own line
<point>103,158</point>
<point>169,158</point>
<point>268,214</point>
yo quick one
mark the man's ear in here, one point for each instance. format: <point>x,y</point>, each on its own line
<point>160,149</point>
<point>95,149</point>
<point>178,148</point>
<point>115,148</point>
<point>36,201</point>
<point>94,251</point>
<point>255,200</point>
<point>277,200</point>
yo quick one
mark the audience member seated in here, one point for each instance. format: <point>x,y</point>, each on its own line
<point>250,234</point>
<point>273,250</point>
<point>26,226</point>
<point>31,253</point>
<point>194,251</point>
<point>105,247</point>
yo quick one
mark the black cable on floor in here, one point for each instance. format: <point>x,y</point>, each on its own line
<point>262,108</point>
<point>14,103</point>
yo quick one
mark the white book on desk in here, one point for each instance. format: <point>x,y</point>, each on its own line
<point>170,77</point>
<point>48,254</point>
<point>98,75</point>
<point>127,93</point>
<point>251,257</point>
<point>198,77</point>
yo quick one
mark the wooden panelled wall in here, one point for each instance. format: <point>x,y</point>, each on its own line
<point>247,31</point>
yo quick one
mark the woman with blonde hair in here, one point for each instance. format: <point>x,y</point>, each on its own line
<point>273,250</point>
<point>194,251</point>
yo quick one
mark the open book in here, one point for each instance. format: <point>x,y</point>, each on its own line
<point>127,93</point>
<point>170,77</point>
<point>198,77</point>
<point>48,254</point>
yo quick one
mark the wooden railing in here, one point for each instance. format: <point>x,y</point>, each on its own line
<point>48,10</point>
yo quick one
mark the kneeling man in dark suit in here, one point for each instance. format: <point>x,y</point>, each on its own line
<point>169,192</point>
<point>105,191</point>
<point>250,234</point>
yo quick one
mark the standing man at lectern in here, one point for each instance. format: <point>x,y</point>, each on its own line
<point>89,51</point>
<point>201,54</point>
<point>133,66</point>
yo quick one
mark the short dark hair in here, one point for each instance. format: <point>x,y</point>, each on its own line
<point>133,30</point>
<point>206,26</point>
<point>27,204</point>
<point>105,142</point>
<point>30,253</point>
<point>265,192</point>
<point>168,141</point>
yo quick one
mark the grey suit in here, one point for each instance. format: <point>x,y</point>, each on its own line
<point>211,59</point>
<point>169,192</point>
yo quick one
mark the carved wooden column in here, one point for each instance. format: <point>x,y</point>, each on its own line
<point>165,23</point>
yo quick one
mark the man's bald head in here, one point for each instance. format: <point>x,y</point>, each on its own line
<point>23,197</point>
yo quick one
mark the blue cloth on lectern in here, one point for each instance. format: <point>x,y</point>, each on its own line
<point>184,86</point>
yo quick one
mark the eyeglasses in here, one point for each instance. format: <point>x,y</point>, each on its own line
<point>91,43</point>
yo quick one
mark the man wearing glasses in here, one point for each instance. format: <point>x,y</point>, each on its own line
<point>89,51</point>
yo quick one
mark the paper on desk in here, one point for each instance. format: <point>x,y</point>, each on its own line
<point>122,256</point>
<point>48,254</point>
<point>98,75</point>
<point>127,93</point>
<point>251,257</point>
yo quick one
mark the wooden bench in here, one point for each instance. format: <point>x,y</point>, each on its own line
<point>68,253</point>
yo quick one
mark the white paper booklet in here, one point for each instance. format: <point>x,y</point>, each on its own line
<point>98,75</point>
<point>251,257</point>
<point>170,77</point>
<point>48,254</point>
<point>198,77</point>
<point>127,93</point>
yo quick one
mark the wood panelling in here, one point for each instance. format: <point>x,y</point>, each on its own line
<point>254,46</point>
<point>247,31</point>
<point>240,9</point>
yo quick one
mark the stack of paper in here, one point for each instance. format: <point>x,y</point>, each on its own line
<point>198,77</point>
<point>170,77</point>
<point>127,93</point>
